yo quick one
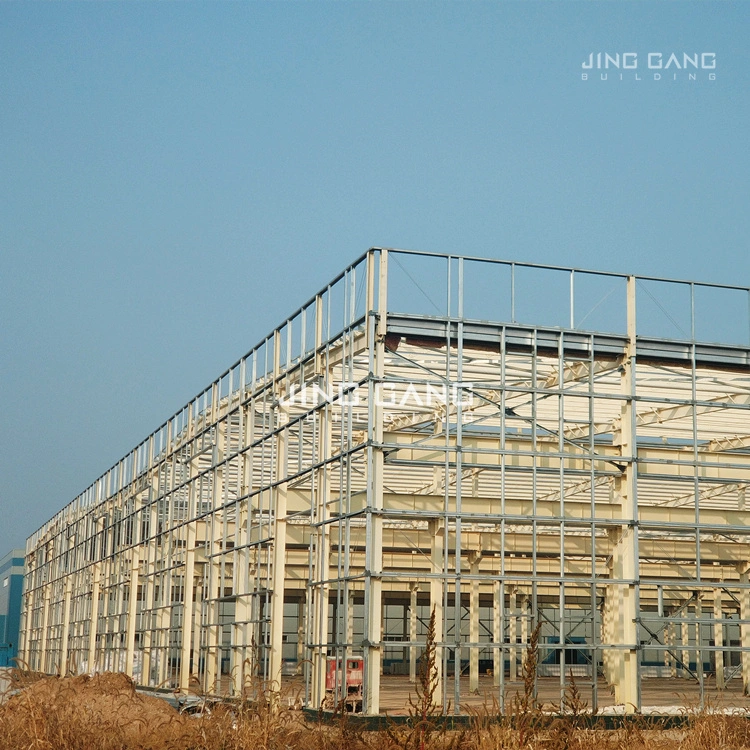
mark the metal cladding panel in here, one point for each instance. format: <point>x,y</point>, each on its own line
<point>11,589</point>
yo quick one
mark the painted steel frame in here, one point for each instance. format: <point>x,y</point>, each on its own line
<point>368,462</point>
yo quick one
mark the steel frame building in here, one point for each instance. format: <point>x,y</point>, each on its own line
<point>500,442</point>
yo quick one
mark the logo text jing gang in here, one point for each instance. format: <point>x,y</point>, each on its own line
<point>622,65</point>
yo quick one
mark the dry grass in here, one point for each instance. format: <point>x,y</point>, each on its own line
<point>104,712</point>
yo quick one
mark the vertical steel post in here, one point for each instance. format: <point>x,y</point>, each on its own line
<point>187,609</point>
<point>498,653</point>
<point>744,570</point>
<point>45,591</point>
<point>93,627</point>
<point>474,560</point>
<point>279,548</point>
<point>318,602</point>
<point>132,613</point>
<point>413,591</point>
<point>719,640</point>
<point>625,551</point>
<point>65,636</point>
<point>512,633</point>
<point>437,561</point>
<point>374,518</point>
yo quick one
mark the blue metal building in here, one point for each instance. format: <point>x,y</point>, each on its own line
<point>11,589</point>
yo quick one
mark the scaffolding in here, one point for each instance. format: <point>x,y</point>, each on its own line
<point>505,444</point>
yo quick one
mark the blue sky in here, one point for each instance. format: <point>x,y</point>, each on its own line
<point>175,178</point>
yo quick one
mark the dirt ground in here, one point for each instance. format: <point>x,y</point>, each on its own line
<point>659,695</point>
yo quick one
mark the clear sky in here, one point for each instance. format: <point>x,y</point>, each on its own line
<point>175,178</point>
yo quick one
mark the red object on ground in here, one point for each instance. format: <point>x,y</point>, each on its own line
<point>354,674</point>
